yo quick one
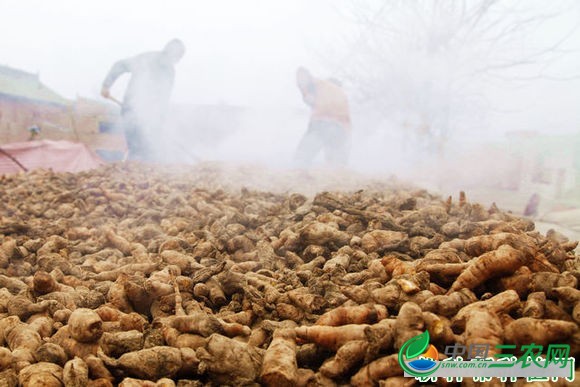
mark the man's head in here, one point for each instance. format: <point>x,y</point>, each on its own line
<point>174,50</point>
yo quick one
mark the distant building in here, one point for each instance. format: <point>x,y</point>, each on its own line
<point>26,102</point>
<point>95,124</point>
<point>31,110</point>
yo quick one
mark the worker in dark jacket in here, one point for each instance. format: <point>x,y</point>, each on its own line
<point>147,96</point>
<point>329,126</point>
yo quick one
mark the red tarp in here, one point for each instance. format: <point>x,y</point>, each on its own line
<point>60,156</point>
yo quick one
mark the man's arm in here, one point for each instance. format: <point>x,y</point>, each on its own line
<point>119,68</point>
<point>308,93</point>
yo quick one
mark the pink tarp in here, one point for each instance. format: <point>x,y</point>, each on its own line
<point>60,156</point>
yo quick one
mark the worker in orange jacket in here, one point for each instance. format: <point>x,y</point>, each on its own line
<point>329,126</point>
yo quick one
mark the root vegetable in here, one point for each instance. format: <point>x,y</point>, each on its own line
<point>51,353</point>
<point>340,260</point>
<point>185,275</point>
<point>397,381</point>
<point>504,260</point>
<point>205,273</point>
<point>155,363</point>
<point>72,347</point>
<point>160,282</point>
<point>332,337</point>
<point>44,283</point>
<point>520,281</point>
<point>215,293</point>
<point>176,339</point>
<point>317,261</point>
<point>409,323</point>
<point>136,292</point>
<point>567,294</point>
<point>363,314</point>
<point>164,382</point>
<point>132,321</point>
<point>347,357</point>
<point>311,356</point>
<point>375,271</point>
<point>186,263</point>
<point>245,317</point>
<point>118,343</point>
<point>539,331</point>
<point>85,325</point>
<point>402,289</point>
<point>289,312</point>
<point>501,303</point>
<point>43,325</point>
<point>21,339</point>
<point>305,300</point>
<point>6,358</point>
<point>110,275</point>
<point>535,305</point>
<point>571,298</point>
<point>376,370</point>
<point>553,311</point>
<point>541,264</point>
<point>228,361</point>
<point>546,282</point>
<point>443,272</point>
<point>9,378</point>
<point>483,327</point>
<point>131,382</point>
<point>439,328</point>
<point>14,285</point>
<point>279,366</point>
<point>437,290</point>
<point>98,371</point>
<point>63,300</point>
<point>479,245</point>
<point>41,374</point>
<point>127,321</point>
<point>382,240</point>
<point>76,373</point>
<point>101,382</point>
<point>23,307</point>
<point>449,305</point>
<point>118,241</point>
<point>204,324</point>
<point>117,297</point>
<point>317,233</point>
<point>380,337</point>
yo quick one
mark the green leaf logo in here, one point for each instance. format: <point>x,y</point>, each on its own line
<point>417,345</point>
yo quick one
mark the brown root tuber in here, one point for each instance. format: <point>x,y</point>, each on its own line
<point>279,367</point>
<point>504,260</point>
<point>539,331</point>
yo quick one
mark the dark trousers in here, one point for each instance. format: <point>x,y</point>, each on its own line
<point>327,136</point>
<point>138,145</point>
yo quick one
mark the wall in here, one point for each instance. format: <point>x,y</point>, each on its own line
<point>79,122</point>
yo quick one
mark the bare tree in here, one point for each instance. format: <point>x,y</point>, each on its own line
<point>428,63</point>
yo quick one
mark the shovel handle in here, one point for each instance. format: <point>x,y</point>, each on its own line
<point>115,100</point>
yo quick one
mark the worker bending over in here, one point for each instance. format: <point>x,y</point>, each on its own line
<point>329,126</point>
<point>147,96</point>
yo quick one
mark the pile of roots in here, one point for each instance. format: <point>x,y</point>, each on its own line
<point>130,275</point>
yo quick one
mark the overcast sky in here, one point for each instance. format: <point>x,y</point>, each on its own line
<point>238,52</point>
<point>241,52</point>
